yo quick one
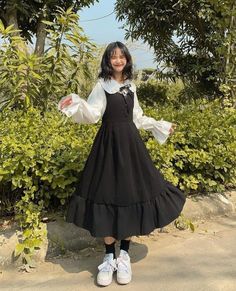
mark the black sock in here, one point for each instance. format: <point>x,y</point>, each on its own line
<point>124,245</point>
<point>110,248</point>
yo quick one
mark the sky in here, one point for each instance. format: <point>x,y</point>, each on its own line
<point>108,29</point>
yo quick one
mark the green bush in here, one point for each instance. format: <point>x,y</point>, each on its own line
<point>173,93</point>
<point>151,92</point>
<point>161,92</point>
<point>41,157</point>
<point>200,156</point>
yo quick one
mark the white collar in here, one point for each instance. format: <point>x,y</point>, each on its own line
<point>112,86</point>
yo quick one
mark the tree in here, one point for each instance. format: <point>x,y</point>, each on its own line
<point>28,80</point>
<point>27,16</point>
<point>205,32</point>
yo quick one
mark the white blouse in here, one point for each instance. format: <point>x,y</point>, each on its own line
<point>90,111</point>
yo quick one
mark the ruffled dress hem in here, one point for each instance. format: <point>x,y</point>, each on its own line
<point>120,222</point>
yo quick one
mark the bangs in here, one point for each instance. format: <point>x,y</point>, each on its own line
<point>113,51</point>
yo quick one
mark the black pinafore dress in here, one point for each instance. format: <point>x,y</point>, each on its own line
<point>121,193</point>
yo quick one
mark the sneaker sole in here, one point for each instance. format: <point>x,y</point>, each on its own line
<point>104,283</point>
<point>123,281</point>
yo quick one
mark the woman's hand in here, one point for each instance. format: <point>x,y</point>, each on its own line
<point>173,127</point>
<point>66,102</point>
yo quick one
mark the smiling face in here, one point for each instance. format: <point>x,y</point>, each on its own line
<point>118,60</point>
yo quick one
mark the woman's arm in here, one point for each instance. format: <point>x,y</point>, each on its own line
<point>82,111</point>
<point>160,129</point>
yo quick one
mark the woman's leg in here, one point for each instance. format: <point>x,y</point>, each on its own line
<point>124,244</point>
<point>109,243</point>
<point>109,239</point>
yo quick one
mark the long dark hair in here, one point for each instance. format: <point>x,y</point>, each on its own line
<point>106,67</point>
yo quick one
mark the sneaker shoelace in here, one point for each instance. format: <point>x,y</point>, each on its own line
<point>107,266</point>
<point>122,264</point>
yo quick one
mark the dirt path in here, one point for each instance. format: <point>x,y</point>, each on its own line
<point>175,260</point>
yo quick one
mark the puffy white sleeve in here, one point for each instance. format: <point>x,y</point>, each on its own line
<point>85,112</point>
<point>160,129</point>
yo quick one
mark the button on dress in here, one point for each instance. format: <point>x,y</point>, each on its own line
<point>120,192</point>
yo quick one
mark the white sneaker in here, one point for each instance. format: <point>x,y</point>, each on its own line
<point>106,269</point>
<point>123,266</point>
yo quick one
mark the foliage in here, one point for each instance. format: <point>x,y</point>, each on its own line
<point>204,52</point>
<point>155,92</point>
<point>87,83</point>
<point>27,80</point>
<point>175,94</point>
<point>183,223</point>
<point>28,15</point>
<point>200,156</point>
<point>41,158</point>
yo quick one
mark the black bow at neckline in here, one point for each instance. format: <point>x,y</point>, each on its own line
<point>125,91</point>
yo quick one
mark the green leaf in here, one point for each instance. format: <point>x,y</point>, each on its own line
<point>19,249</point>
<point>48,22</point>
